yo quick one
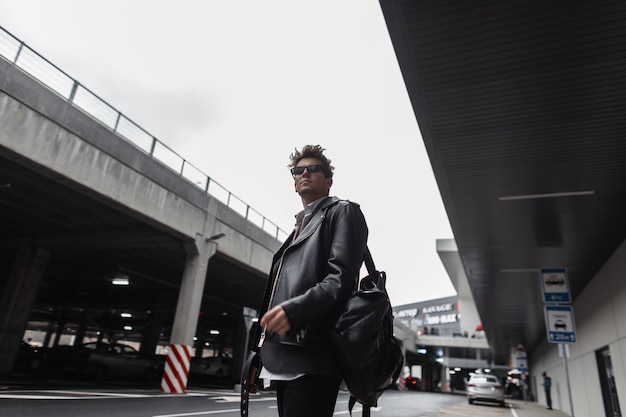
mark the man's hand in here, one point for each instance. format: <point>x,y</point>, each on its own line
<point>276,320</point>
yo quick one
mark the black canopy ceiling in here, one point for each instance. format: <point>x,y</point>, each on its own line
<point>522,108</point>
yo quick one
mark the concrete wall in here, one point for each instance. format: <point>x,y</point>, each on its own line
<point>600,315</point>
<point>54,147</point>
<point>449,254</point>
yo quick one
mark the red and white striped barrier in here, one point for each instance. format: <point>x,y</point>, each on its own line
<point>176,369</point>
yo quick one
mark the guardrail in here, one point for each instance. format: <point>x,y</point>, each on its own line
<point>27,59</point>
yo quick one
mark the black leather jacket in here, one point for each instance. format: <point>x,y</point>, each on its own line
<point>310,278</point>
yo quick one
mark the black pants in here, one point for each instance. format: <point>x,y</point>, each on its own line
<point>548,399</point>
<point>307,396</point>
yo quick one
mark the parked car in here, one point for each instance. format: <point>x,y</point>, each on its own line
<point>513,385</point>
<point>100,360</point>
<point>485,387</point>
<point>30,357</point>
<point>218,367</point>
<point>412,383</point>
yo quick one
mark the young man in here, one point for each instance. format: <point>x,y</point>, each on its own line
<point>312,275</point>
<point>547,385</point>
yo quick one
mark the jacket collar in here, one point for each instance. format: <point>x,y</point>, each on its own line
<point>315,219</point>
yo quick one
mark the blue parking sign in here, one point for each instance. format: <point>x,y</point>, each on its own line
<point>560,324</point>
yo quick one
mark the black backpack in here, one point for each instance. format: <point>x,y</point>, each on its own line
<point>369,354</point>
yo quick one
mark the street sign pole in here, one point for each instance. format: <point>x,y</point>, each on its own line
<point>564,349</point>
<point>560,324</point>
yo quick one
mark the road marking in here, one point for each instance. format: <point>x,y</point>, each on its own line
<point>512,410</point>
<point>226,399</point>
<point>103,394</point>
<point>38,397</point>
<point>237,398</point>
<point>199,413</point>
<point>91,395</point>
<point>467,410</point>
<point>356,408</point>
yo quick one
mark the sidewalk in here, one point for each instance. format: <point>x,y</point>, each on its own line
<point>532,409</point>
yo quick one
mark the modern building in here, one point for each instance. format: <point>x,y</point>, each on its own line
<point>444,354</point>
<point>522,109</point>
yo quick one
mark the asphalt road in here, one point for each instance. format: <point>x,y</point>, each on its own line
<point>132,402</point>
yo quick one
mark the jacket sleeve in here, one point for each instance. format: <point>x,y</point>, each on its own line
<point>347,242</point>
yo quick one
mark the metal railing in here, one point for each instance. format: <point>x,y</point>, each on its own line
<point>21,55</point>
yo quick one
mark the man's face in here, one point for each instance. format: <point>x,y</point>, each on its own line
<point>311,185</point>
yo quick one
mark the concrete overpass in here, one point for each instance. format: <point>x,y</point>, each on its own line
<point>87,196</point>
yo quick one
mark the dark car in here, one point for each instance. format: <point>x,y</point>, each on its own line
<point>100,360</point>
<point>513,386</point>
<point>412,383</point>
<point>30,357</point>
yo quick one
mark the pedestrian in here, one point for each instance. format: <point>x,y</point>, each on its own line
<point>547,385</point>
<point>312,275</point>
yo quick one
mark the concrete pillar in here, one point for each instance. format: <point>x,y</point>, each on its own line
<point>151,334</point>
<point>81,330</point>
<point>17,301</point>
<point>187,311</point>
<point>445,372</point>
<point>57,336</point>
<point>199,342</point>
<point>191,290</point>
<point>49,331</point>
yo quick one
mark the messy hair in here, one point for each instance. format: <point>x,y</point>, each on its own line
<point>312,151</point>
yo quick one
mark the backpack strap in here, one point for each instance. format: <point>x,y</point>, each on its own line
<point>251,362</point>
<point>371,270</point>
<point>369,262</point>
<point>366,408</point>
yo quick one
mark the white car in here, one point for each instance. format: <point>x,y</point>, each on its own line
<point>211,366</point>
<point>101,360</point>
<point>485,387</point>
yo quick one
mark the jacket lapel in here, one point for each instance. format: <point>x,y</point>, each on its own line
<point>315,220</point>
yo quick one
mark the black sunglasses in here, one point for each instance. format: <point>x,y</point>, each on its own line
<point>295,171</point>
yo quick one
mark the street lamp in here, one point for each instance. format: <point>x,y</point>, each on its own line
<point>215,237</point>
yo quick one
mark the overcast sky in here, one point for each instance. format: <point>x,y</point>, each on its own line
<point>235,86</point>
